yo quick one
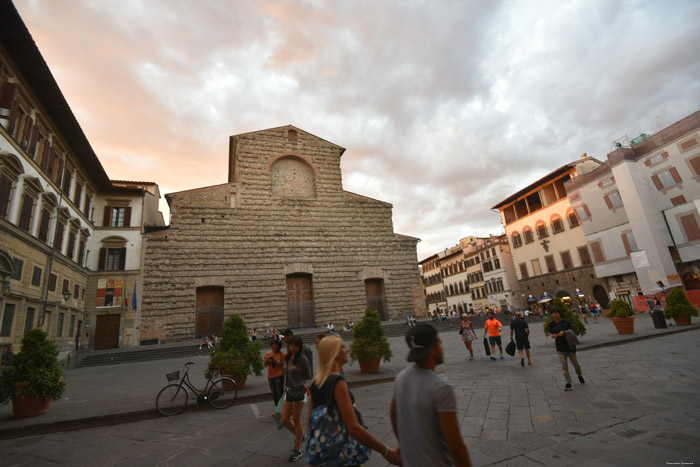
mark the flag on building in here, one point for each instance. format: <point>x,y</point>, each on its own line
<point>134,303</point>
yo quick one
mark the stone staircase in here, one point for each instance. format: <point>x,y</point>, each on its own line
<point>165,351</point>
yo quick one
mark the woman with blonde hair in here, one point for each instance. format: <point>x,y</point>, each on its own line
<point>329,387</point>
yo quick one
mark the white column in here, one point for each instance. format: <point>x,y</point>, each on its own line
<point>16,202</point>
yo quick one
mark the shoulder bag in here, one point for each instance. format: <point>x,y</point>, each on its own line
<point>329,442</point>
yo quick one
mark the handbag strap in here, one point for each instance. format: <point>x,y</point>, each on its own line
<point>331,389</point>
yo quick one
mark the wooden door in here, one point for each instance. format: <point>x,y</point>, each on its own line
<point>374,289</point>
<point>300,301</point>
<point>107,332</point>
<point>210,311</point>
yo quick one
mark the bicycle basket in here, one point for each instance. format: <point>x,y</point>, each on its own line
<point>174,376</point>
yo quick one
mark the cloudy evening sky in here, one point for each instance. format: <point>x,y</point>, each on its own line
<point>445,107</point>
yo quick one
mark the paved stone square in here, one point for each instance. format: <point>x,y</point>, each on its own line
<point>640,406</point>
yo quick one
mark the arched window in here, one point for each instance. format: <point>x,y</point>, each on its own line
<point>528,236</point>
<point>557,224</point>
<point>517,241</point>
<point>112,254</point>
<point>461,288</point>
<point>572,217</point>
<point>541,229</point>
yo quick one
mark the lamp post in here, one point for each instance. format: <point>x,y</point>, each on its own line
<point>66,296</point>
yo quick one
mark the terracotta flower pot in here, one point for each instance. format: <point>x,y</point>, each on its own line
<point>624,325</point>
<point>682,320</point>
<point>369,366</point>
<point>240,383</point>
<point>29,406</point>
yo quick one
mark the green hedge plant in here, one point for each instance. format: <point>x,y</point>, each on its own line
<point>235,355</point>
<point>677,305</point>
<point>36,365</point>
<point>369,341</point>
<point>620,309</point>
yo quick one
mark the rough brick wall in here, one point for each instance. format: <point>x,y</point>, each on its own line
<point>243,237</point>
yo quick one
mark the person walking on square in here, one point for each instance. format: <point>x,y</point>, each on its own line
<point>520,328</point>
<point>274,361</point>
<point>424,406</point>
<point>493,328</point>
<point>466,329</point>
<point>297,370</point>
<point>329,384</point>
<point>558,330</point>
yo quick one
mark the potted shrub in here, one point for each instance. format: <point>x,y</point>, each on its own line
<point>679,308</point>
<point>622,316</point>
<point>35,378</point>
<point>576,325</point>
<point>236,355</point>
<point>369,343</point>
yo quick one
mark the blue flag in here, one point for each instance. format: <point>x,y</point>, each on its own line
<point>134,303</point>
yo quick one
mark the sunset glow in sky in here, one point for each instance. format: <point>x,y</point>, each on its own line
<point>445,107</point>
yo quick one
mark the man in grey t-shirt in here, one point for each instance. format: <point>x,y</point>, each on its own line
<point>424,407</point>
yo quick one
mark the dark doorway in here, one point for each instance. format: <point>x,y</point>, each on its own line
<point>77,335</point>
<point>601,296</point>
<point>300,301</point>
<point>210,311</point>
<point>376,300</point>
<point>107,332</point>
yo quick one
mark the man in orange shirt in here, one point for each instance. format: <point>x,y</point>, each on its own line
<point>493,327</point>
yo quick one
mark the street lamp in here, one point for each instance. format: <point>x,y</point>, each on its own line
<point>66,296</point>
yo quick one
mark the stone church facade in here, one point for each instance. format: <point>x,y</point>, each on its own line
<point>281,243</point>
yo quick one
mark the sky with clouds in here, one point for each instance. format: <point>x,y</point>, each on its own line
<point>445,107</point>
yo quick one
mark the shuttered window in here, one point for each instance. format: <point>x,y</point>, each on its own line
<point>566,259</point>
<point>551,265</point>
<point>25,218</point>
<point>690,227</point>
<point>44,225</point>
<point>597,249</point>
<point>58,237</point>
<point>5,193</point>
<point>584,256</point>
<point>523,271</point>
<point>666,178</point>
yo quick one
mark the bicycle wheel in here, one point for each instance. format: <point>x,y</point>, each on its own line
<point>172,399</point>
<point>222,393</point>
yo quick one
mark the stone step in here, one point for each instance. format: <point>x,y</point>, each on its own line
<point>159,352</point>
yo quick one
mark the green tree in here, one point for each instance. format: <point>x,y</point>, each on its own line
<point>576,325</point>
<point>369,341</point>
<point>677,304</point>
<point>236,354</point>
<point>36,365</point>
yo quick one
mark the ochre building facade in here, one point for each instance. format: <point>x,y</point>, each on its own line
<point>281,243</point>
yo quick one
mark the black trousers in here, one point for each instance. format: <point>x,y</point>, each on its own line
<point>277,388</point>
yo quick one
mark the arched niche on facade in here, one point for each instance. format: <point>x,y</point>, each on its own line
<point>292,176</point>
<point>298,268</point>
<point>7,266</point>
<point>373,272</point>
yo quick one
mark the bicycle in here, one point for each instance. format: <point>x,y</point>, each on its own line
<point>173,398</point>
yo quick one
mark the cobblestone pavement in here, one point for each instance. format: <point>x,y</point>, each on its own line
<point>640,406</point>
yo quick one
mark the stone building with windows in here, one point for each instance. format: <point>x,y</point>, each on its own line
<point>640,213</point>
<point>498,271</point>
<point>281,243</point>
<point>454,272</point>
<point>434,290</point>
<point>547,243</point>
<point>51,183</point>
<point>475,275</point>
